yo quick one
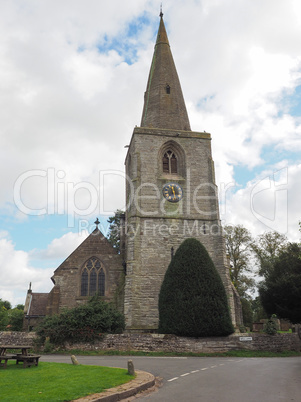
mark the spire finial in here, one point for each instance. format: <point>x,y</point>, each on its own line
<point>97,222</point>
<point>161,13</point>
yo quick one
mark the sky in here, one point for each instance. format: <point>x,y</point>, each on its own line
<point>72,78</point>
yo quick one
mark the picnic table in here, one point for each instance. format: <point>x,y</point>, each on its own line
<point>24,357</point>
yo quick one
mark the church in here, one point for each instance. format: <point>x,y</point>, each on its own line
<point>171,195</point>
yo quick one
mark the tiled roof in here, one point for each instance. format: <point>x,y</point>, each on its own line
<point>38,304</point>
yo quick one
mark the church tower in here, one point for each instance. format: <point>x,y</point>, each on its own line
<point>171,194</point>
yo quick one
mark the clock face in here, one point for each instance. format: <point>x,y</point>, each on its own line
<point>172,192</point>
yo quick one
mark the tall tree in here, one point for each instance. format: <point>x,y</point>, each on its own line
<point>114,229</point>
<point>238,241</point>
<point>267,248</point>
<point>280,292</point>
<point>258,311</point>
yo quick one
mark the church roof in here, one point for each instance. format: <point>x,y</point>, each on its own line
<point>38,304</point>
<point>164,105</point>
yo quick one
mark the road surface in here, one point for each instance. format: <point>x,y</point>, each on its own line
<point>210,379</point>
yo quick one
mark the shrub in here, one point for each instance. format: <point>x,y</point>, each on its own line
<point>85,323</point>
<point>192,300</point>
<point>270,327</point>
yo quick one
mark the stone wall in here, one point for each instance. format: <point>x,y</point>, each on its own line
<point>172,343</point>
<point>17,338</point>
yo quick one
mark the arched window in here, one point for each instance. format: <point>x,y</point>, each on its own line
<point>84,283</point>
<point>171,160</point>
<point>101,282</point>
<point>93,278</point>
<point>170,164</point>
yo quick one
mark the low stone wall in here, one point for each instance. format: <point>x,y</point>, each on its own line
<point>172,343</point>
<point>17,338</point>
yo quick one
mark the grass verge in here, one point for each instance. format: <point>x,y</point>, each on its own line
<point>57,381</point>
<point>232,353</point>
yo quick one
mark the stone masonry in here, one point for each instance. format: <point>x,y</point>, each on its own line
<point>155,227</point>
<point>67,277</point>
<point>171,343</point>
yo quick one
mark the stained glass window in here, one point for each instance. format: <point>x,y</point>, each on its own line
<point>101,282</point>
<point>84,283</point>
<point>93,278</point>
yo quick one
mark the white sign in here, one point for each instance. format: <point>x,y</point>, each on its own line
<point>245,338</point>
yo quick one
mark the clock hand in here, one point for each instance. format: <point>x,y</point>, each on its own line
<point>173,190</point>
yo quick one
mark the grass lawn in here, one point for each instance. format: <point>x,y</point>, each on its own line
<point>57,381</point>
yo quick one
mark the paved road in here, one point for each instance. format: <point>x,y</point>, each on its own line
<point>204,379</point>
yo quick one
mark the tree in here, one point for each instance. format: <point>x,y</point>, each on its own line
<point>3,317</point>
<point>15,317</point>
<point>247,312</point>
<point>280,292</point>
<point>267,247</point>
<point>114,229</point>
<point>238,240</point>
<point>258,311</point>
<point>5,307</point>
<point>192,299</point>
<point>6,304</point>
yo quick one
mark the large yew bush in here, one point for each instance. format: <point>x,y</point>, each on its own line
<point>192,300</point>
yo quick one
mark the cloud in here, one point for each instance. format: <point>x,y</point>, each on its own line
<point>65,82</point>
<point>60,248</point>
<point>18,268</point>
<point>16,272</point>
<point>267,203</point>
<point>72,80</point>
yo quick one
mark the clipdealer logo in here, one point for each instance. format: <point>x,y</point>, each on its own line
<point>268,198</point>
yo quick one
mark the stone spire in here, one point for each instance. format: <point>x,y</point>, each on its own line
<point>164,105</point>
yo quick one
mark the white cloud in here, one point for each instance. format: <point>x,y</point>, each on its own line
<point>70,98</point>
<point>18,268</point>
<point>269,202</point>
<point>16,273</point>
<point>60,248</point>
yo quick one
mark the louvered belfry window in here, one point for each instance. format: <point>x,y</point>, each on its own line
<point>93,278</point>
<point>170,164</point>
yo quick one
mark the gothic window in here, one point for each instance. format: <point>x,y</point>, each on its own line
<point>167,88</point>
<point>101,283</point>
<point>170,164</point>
<point>171,159</point>
<point>84,283</point>
<point>93,278</point>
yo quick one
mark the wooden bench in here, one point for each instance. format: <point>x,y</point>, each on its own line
<point>29,360</point>
<point>5,358</point>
